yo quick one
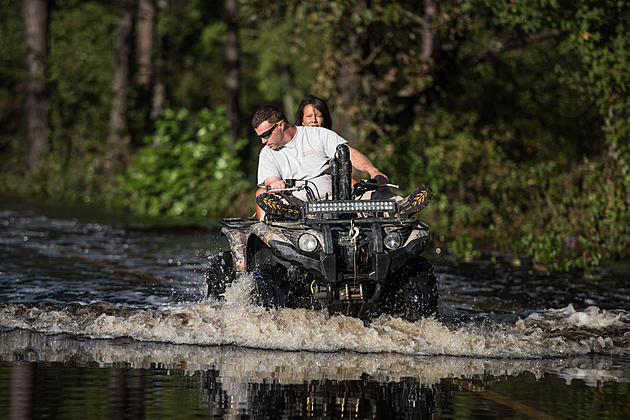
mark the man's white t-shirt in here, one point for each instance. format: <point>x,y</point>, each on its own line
<point>306,157</point>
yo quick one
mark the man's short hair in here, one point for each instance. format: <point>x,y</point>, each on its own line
<point>268,113</point>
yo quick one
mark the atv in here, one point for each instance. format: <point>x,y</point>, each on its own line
<point>350,256</point>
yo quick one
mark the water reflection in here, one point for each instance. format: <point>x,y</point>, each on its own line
<point>21,379</point>
<point>129,379</point>
<point>126,390</point>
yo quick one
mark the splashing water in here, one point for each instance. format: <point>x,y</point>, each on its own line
<point>551,333</point>
<point>62,276</point>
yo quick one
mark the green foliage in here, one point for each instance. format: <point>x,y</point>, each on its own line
<point>519,118</point>
<point>281,72</point>
<point>79,83</point>
<point>192,36</point>
<point>11,77</point>
<point>79,79</point>
<point>583,221</point>
<point>563,216</point>
<point>462,246</point>
<point>546,250</point>
<point>188,167</point>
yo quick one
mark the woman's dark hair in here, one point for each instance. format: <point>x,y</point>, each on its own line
<point>318,104</point>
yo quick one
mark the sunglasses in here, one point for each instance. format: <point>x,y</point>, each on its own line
<point>267,133</point>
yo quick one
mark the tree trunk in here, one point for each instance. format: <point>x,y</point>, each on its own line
<point>232,56</point>
<point>430,9</point>
<point>146,36</point>
<point>145,63</point>
<point>35,17</point>
<point>158,98</point>
<point>118,143</point>
<point>431,96</point>
<point>158,101</point>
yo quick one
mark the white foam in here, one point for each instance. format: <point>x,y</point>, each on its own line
<point>556,332</point>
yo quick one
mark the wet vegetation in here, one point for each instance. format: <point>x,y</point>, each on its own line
<point>516,113</point>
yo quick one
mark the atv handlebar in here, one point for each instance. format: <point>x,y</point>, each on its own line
<point>291,186</point>
<point>362,187</point>
<point>375,184</point>
<point>358,189</point>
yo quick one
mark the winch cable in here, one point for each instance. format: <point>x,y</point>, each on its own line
<point>354,234</point>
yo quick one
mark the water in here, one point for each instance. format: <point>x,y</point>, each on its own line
<point>101,316</point>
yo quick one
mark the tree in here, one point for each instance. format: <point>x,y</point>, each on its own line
<point>232,55</point>
<point>150,88</point>
<point>146,37</point>
<point>35,19</point>
<point>118,142</point>
<point>158,97</point>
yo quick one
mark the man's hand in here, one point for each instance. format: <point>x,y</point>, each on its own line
<point>381,178</point>
<point>274,183</point>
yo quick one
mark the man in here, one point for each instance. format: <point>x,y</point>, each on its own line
<point>303,153</point>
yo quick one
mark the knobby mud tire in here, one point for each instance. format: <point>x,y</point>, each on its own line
<point>275,287</point>
<point>220,274</point>
<point>411,292</point>
<point>270,290</point>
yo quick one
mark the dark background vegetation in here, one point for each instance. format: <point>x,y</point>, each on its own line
<point>515,112</point>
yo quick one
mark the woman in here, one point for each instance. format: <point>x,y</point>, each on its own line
<point>313,112</point>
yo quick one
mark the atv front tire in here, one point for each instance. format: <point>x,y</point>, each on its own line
<point>411,292</point>
<point>269,290</point>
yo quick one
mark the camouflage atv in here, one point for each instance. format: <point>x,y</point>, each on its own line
<point>347,255</point>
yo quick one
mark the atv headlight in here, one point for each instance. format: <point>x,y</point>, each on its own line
<point>307,243</point>
<point>392,240</point>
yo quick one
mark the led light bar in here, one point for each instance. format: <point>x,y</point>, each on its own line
<point>350,206</point>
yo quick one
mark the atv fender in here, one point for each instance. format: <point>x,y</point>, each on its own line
<point>238,245</point>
